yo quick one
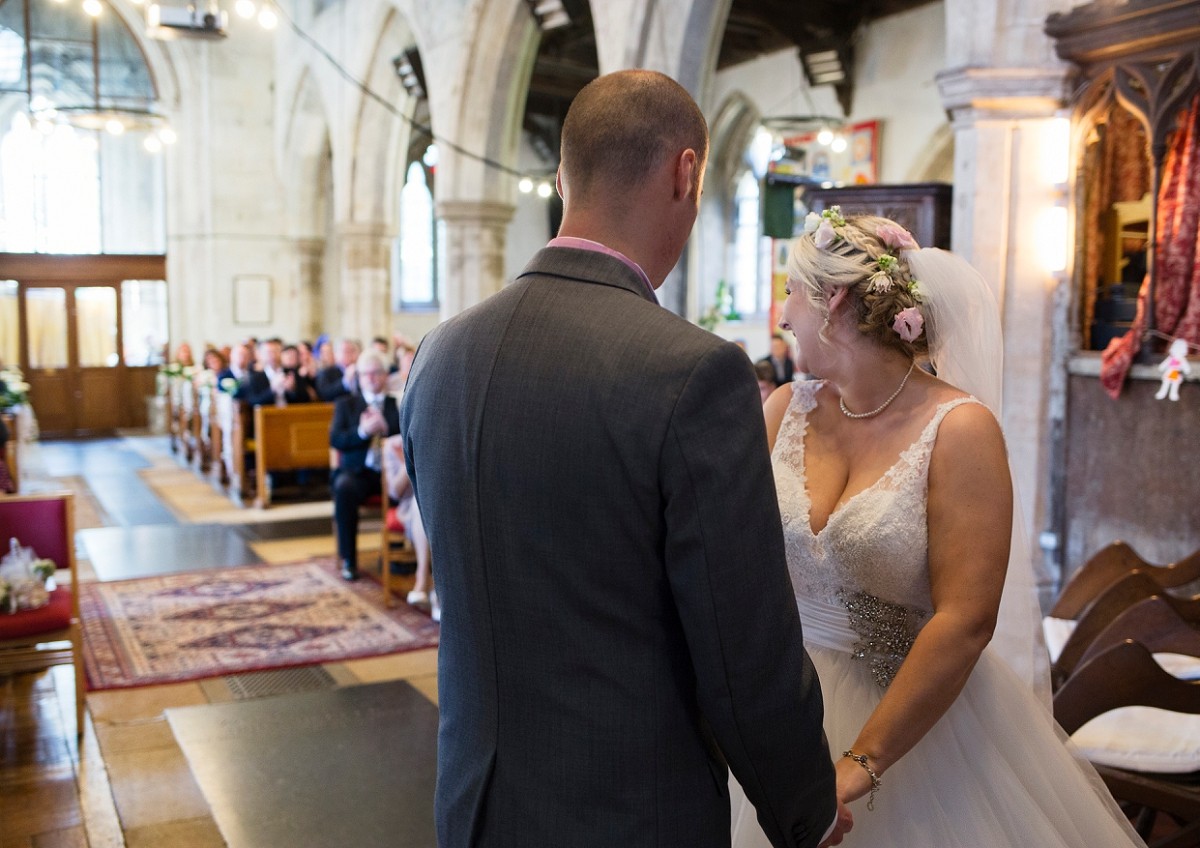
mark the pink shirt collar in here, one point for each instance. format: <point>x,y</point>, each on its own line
<point>597,247</point>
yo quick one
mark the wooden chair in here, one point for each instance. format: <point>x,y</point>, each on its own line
<point>50,635</point>
<point>394,544</point>
<point>1112,563</point>
<point>1100,613</point>
<point>1163,624</point>
<point>1126,675</point>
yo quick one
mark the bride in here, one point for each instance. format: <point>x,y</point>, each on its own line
<point>897,505</point>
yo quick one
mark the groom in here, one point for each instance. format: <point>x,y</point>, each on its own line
<point>617,619</point>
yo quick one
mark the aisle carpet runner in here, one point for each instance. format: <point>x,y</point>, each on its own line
<point>229,620</point>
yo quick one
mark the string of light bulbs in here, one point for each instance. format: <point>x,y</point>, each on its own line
<point>526,182</point>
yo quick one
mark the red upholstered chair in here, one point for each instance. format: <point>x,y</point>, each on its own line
<point>50,635</point>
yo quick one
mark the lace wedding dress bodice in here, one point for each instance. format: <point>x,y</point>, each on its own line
<point>871,558</point>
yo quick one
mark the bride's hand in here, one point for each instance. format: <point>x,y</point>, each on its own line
<point>853,782</point>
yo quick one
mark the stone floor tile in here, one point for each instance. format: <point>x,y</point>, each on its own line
<point>190,833</point>
<point>153,787</point>
<point>126,705</point>
<point>142,735</point>
<point>393,666</point>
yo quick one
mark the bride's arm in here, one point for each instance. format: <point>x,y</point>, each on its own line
<point>970,523</point>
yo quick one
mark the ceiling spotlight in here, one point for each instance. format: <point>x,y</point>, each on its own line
<point>153,144</point>
<point>167,135</point>
<point>245,8</point>
<point>412,75</point>
<point>824,66</point>
<point>838,144</point>
<point>525,185</point>
<point>113,126</point>
<point>267,19</point>
<point>544,190</point>
<point>825,136</point>
<point>431,156</point>
<point>93,7</point>
<point>549,14</point>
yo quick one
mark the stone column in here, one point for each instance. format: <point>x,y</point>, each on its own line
<point>1008,151</point>
<point>471,236</point>
<point>362,258</point>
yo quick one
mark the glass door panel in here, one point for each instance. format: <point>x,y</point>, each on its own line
<point>96,326</point>
<point>46,316</point>
<point>144,318</point>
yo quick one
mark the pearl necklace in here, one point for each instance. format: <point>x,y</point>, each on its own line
<point>882,406</point>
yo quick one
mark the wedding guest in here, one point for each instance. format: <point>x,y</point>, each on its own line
<point>400,491</point>
<point>339,379</point>
<point>237,371</point>
<point>297,388</point>
<point>783,369</point>
<point>592,471</point>
<point>360,422</point>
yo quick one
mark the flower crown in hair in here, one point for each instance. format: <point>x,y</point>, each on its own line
<point>827,226</point>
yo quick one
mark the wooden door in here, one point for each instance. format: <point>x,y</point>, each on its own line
<point>84,379</point>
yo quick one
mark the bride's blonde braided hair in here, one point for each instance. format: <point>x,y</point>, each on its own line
<point>853,261</point>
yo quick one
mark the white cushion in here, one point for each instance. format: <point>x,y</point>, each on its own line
<point>1137,738</point>
<point>1142,739</point>
<point>1058,630</point>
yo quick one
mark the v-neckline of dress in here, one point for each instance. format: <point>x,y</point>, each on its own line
<point>841,507</point>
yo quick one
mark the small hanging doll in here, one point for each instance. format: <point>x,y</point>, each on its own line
<point>1174,367</point>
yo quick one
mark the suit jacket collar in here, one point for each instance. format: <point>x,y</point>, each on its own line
<point>587,266</point>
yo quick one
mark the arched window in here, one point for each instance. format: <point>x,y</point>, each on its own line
<point>78,134</point>
<point>417,271</point>
<point>748,262</point>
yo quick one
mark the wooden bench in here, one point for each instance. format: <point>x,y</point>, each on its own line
<point>289,438</point>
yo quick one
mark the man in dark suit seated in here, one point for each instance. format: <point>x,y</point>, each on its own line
<point>230,378</point>
<point>265,385</point>
<point>360,423</point>
<point>780,360</point>
<point>339,379</point>
<point>593,474</point>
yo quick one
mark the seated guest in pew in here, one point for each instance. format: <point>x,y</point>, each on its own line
<point>267,385</point>
<point>297,387</point>
<point>339,379</point>
<point>400,490</point>
<point>381,344</point>
<point>237,371</point>
<point>360,423</point>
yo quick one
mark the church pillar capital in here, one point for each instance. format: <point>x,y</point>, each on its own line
<point>471,239</point>
<point>978,93</point>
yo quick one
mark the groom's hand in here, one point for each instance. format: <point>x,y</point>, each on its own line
<point>842,825</point>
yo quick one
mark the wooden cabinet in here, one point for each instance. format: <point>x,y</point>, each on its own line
<point>921,208</point>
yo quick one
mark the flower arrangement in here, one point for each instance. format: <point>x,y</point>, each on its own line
<point>205,378</point>
<point>175,369</point>
<point>25,579</point>
<point>721,309</point>
<point>14,391</point>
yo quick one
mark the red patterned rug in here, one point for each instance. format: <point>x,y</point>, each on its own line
<point>229,620</point>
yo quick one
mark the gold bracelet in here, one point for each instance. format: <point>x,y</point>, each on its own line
<point>861,759</point>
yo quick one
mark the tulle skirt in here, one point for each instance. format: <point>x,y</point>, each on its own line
<point>994,772</point>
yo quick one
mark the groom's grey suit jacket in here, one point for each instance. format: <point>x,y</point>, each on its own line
<point>593,474</point>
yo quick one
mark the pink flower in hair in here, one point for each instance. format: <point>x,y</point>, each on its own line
<point>826,235</point>
<point>896,237</point>
<point>908,324</point>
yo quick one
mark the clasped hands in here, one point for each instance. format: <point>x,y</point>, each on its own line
<point>372,423</point>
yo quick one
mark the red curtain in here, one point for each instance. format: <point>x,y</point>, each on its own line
<point>1176,255</point>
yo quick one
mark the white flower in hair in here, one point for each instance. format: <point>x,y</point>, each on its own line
<point>811,221</point>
